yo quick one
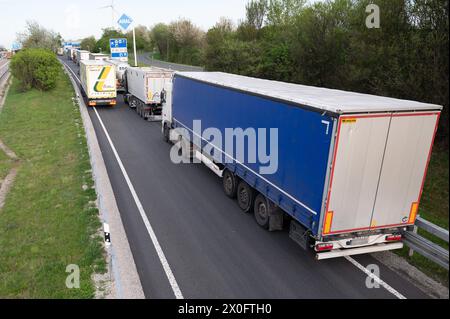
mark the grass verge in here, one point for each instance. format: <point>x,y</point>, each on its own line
<point>48,221</point>
<point>434,208</point>
<point>5,165</point>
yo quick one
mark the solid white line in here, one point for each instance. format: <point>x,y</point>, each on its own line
<point>375,278</point>
<point>165,264</point>
<point>162,258</point>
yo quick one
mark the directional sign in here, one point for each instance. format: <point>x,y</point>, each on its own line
<point>118,55</point>
<point>125,21</point>
<point>117,43</point>
<point>119,49</point>
<point>16,46</point>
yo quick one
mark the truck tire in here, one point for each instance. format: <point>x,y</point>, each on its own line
<point>229,184</point>
<point>261,211</point>
<point>245,196</point>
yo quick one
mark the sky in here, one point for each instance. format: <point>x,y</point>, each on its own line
<point>77,19</point>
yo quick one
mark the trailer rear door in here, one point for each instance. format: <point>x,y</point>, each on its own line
<point>378,171</point>
<point>408,151</point>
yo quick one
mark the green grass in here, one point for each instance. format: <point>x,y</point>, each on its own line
<point>47,222</point>
<point>5,165</point>
<point>131,61</point>
<point>434,208</point>
<point>434,205</point>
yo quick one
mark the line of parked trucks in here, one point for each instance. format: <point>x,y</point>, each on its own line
<point>350,167</point>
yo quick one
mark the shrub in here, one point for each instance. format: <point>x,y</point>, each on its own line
<point>35,68</point>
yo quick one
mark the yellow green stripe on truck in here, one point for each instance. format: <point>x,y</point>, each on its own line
<point>101,79</point>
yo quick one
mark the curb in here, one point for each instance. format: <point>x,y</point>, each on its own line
<point>126,282</point>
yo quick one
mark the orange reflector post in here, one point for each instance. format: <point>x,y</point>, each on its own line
<point>413,213</point>
<point>328,222</point>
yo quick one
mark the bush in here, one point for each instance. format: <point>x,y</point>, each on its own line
<point>35,68</point>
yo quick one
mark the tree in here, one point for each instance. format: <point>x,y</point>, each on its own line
<point>89,44</point>
<point>36,36</point>
<point>281,12</point>
<point>36,68</point>
<point>162,38</point>
<point>189,41</point>
<point>143,38</point>
<point>256,11</point>
<point>216,39</point>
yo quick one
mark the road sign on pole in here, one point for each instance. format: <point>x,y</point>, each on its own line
<point>125,21</point>
<point>119,49</point>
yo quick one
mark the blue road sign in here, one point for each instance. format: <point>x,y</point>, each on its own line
<point>125,21</point>
<point>119,55</point>
<point>16,46</point>
<point>117,43</point>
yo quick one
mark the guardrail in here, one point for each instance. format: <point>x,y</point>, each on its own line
<point>425,247</point>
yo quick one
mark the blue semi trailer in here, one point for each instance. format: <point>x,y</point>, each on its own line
<point>345,171</point>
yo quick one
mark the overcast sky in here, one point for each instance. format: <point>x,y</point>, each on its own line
<point>81,18</point>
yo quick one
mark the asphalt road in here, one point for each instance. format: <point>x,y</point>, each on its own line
<point>3,68</point>
<point>212,248</point>
<point>145,59</point>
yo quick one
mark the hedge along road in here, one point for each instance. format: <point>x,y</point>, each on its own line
<point>212,249</point>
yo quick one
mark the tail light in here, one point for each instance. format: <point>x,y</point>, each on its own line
<point>394,238</point>
<point>113,102</point>
<point>324,247</point>
<point>92,103</point>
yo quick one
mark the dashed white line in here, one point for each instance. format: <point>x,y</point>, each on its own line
<point>375,278</point>
<point>165,264</point>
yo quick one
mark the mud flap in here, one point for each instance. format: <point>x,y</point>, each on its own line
<point>299,234</point>
<point>275,217</point>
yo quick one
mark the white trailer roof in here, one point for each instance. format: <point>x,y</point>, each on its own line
<point>94,62</point>
<point>150,69</point>
<point>331,100</point>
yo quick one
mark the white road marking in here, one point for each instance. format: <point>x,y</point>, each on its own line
<point>375,278</point>
<point>165,264</point>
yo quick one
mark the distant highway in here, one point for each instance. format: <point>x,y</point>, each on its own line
<point>212,249</point>
<point>4,68</point>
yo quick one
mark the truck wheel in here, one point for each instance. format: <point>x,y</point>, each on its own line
<point>229,184</point>
<point>261,210</point>
<point>245,196</point>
